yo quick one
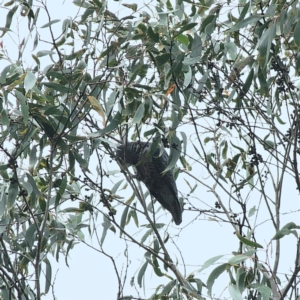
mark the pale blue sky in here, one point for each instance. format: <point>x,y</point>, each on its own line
<point>91,274</point>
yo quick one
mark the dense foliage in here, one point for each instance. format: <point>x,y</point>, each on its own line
<point>215,83</point>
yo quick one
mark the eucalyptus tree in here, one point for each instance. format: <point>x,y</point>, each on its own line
<point>214,83</point>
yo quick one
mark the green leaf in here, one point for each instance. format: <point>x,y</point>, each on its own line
<point>3,223</point>
<point>264,87</point>
<point>142,273</point>
<point>297,34</point>
<point>3,201</point>
<point>116,186</point>
<point>177,65</point>
<point>252,211</point>
<point>154,36</point>
<point>183,39</point>
<point>48,275</point>
<point>70,246</point>
<point>34,186</point>
<point>211,162</point>
<point>265,45</point>
<point>146,235</point>
<point>88,12</point>
<point>196,46</point>
<point>110,127</point>
<point>4,118</point>
<point>270,12</point>
<point>185,28</point>
<point>13,191</point>
<point>268,144</point>
<point>27,187</point>
<point>61,190</point>
<point>206,22</point>
<point>248,242</point>
<point>241,275</point>
<point>286,230</point>
<point>9,18</point>
<point>35,43</point>
<point>44,53</point>
<point>244,11</point>
<point>131,6</point>
<point>106,225</point>
<point>187,77</point>
<point>168,287</point>
<point>139,114</point>
<point>29,81</point>
<point>210,262</point>
<point>234,292</point>
<point>30,235</point>
<point>123,219</point>
<point>237,259</point>
<point>175,151</point>
<point>163,58</point>
<point>224,151</point>
<point>133,214</point>
<point>75,55</point>
<point>82,162</point>
<point>156,267</point>
<point>24,106</point>
<point>248,82</point>
<point>50,23</point>
<point>265,291</point>
<point>243,23</point>
<point>59,87</point>
<point>191,60</point>
<point>214,275</point>
<point>237,147</point>
<point>279,120</point>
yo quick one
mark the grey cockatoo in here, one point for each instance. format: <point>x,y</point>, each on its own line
<point>149,168</point>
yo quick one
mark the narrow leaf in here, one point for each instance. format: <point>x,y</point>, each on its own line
<point>175,151</point>
<point>285,230</point>
<point>265,45</point>
<point>168,287</point>
<point>214,275</point>
<point>248,242</point>
<point>3,223</point>
<point>13,191</point>
<point>142,273</point>
<point>50,23</point>
<point>297,34</point>
<point>243,23</point>
<point>106,225</point>
<point>186,28</point>
<point>123,219</point>
<point>110,127</point>
<point>131,6</point>
<point>252,211</point>
<point>237,259</point>
<point>61,190</point>
<point>58,87</point>
<point>265,291</point>
<point>153,35</point>
<point>9,18</point>
<point>210,262</point>
<point>29,81</point>
<point>235,293</point>
<point>48,275</point>
<point>139,114</point>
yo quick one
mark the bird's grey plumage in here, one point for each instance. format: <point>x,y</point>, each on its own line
<point>149,170</point>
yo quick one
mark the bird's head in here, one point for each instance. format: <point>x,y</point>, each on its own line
<point>128,153</point>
